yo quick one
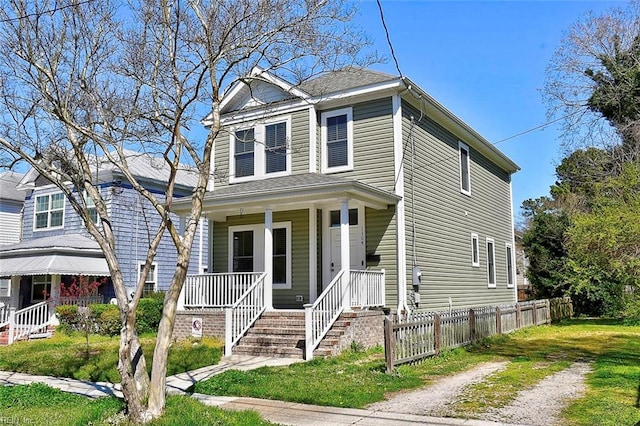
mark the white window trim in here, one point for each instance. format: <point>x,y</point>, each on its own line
<point>155,275</point>
<point>259,152</point>
<point>35,211</point>
<point>462,146</point>
<point>88,200</point>
<point>493,253</point>
<point>258,249</point>
<point>509,247</point>
<point>323,151</point>
<point>475,253</point>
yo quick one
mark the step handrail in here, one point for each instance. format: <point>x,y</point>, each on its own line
<point>240,316</point>
<point>29,320</point>
<point>322,314</point>
<point>4,314</point>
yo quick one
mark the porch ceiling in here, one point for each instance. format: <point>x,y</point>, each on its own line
<point>287,193</point>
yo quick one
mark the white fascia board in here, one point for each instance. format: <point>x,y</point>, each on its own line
<point>242,117</point>
<point>459,128</point>
<point>261,74</point>
<point>358,91</point>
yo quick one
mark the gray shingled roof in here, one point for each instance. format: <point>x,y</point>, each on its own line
<point>147,166</point>
<point>69,241</point>
<point>345,79</point>
<point>8,183</point>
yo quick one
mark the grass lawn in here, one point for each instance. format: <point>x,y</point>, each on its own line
<point>357,379</point>
<point>33,405</point>
<point>66,356</point>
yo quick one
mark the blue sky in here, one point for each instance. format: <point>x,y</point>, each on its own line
<point>485,61</point>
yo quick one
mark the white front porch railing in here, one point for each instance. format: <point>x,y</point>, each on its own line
<point>82,301</point>
<point>243,313</point>
<point>217,290</point>
<point>367,288</point>
<point>27,321</point>
<point>320,316</point>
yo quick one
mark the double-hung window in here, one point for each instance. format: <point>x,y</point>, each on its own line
<point>49,211</point>
<point>491,263</point>
<point>5,286</point>
<point>337,140</point>
<point>151,282</point>
<point>260,151</point>
<point>509,265</point>
<point>40,288</point>
<point>91,208</point>
<point>465,172</point>
<point>244,152</point>
<point>246,251</point>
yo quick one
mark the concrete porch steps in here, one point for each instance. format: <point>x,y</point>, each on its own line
<point>282,334</point>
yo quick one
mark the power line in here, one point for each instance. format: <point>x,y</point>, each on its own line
<point>44,12</point>
<point>386,31</point>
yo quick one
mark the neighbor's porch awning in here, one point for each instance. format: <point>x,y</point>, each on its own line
<point>53,264</point>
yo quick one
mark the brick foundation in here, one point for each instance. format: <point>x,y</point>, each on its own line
<point>212,323</point>
<point>366,329</point>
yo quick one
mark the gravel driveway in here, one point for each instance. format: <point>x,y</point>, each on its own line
<point>538,405</point>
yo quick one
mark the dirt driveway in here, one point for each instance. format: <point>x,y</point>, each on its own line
<point>538,405</point>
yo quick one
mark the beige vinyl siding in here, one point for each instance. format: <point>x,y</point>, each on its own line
<point>300,142</point>
<point>445,219</point>
<point>299,252</point>
<point>372,144</point>
<point>381,241</point>
<point>221,159</point>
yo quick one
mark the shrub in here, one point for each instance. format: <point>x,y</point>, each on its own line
<point>149,313</point>
<point>69,318</point>
<point>107,318</point>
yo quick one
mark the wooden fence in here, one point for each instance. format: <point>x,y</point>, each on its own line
<point>422,334</point>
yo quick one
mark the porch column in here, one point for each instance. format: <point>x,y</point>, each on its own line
<point>313,254</point>
<point>345,254</point>
<point>268,258</point>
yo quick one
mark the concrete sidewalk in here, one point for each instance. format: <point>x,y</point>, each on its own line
<point>286,413</point>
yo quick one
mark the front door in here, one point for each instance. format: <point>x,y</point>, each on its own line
<point>356,241</point>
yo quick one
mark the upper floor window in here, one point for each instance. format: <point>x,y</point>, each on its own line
<point>337,140</point>
<point>91,208</point>
<point>49,211</point>
<point>465,174</point>
<point>491,263</point>
<point>259,151</point>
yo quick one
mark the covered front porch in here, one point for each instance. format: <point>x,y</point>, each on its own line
<point>297,242</point>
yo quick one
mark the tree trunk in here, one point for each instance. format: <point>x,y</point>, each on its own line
<point>157,393</point>
<point>133,372</point>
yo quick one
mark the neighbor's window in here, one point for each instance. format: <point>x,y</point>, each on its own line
<point>49,212</point>
<point>150,284</point>
<point>475,250</point>
<point>509,265</point>
<point>465,178</point>
<point>491,263</point>
<point>5,284</point>
<point>337,140</point>
<point>40,288</point>
<point>91,208</point>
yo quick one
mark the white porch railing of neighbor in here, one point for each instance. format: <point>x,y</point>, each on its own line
<point>320,315</point>
<point>367,288</point>
<point>82,301</point>
<point>217,290</point>
<point>243,313</point>
<point>4,310</point>
<point>27,321</point>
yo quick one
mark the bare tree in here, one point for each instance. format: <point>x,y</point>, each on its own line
<point>88,79</point>
<point>593,82</point>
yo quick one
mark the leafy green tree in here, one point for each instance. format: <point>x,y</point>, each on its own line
<point>543,243</point>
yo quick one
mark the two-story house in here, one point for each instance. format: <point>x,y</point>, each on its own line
<point>361,188</point>
<point>56,248</point>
